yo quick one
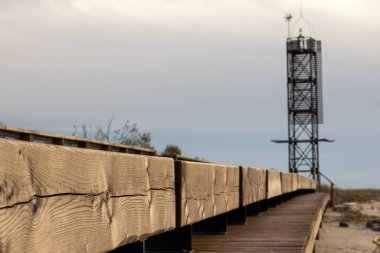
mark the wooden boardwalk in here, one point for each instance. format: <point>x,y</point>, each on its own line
<point>291,227</point>
<point>68,194</point>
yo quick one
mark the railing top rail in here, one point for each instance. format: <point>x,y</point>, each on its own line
<point>9,132</point>
<point>328,179</point>
<point>186,158</point>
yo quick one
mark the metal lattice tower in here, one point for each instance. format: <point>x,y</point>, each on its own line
<point>305,104</point>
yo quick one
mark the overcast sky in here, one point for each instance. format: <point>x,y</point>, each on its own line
<point>207,75</point>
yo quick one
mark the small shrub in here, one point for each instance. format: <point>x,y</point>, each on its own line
<point>353,216</point>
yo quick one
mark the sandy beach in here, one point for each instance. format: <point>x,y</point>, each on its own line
<point>356,238</point>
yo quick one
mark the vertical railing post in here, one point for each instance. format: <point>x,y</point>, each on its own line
<point>177,240</point>
<point>332,194</point>
<point>136,247</point>
<point>214,225</point>
<point>237,216</point>
<point>253,209</point>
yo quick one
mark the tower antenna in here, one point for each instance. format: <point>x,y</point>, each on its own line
<point>287,18</point>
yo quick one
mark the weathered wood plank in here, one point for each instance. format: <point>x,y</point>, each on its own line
<point>294,182</point>
<point>302,182</point>
<point>313,185</point>
<point>315,225</point>
<point>206,190</point>
<point>73,223</point>
<point>274,183</point>
<point>254,185</point>
<point>284,229</point>
<point>286,182</point>
<point>55,198</point>
<point>305,183</point>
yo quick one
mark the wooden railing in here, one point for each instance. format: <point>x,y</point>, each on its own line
<point>7,132</point>
<point>56,197</point>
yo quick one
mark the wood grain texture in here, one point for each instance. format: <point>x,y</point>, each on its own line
<point>301,182</point>
<point>294,182</point>
<point>286,182</point>
<point>61,199</point>
<point>254,185</point>
<point>274,183</point>
<point>206,190</point>
<point>305,183</point>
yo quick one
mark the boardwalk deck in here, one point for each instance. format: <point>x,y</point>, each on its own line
<point>289,228</point>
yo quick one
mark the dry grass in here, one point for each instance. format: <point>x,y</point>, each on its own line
<point>356,195</point>
<point>353,195</point>
<point>353,216</point>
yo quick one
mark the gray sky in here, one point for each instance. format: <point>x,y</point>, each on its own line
<point>207,75</point>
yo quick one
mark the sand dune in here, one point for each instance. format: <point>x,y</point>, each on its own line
<point>356,238</point>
